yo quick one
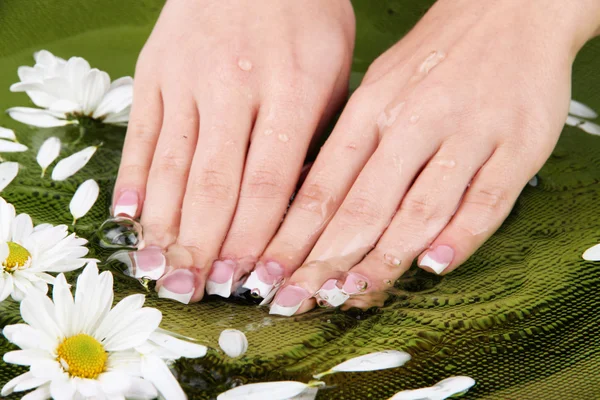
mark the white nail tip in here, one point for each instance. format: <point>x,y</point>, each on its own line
<point>126,210</point>
<point>154,274</point>
<point>438,267</point>
<point>220,289</point>
<point>335,297</point>
<point>184,298</point>
<point>253,283</point>
<point>276,309</point>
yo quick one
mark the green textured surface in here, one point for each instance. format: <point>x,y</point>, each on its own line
<point>521,317</point>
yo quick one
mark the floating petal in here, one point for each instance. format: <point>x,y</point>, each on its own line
<point>11,147</point>
<point>282,390</point>
<point>36,117</point>
<point>6,133</point>
<point>84,199</point>
<point>233,342</point>
<point>370,362</point>
<point>581,110</point>
<point>448,387</point>
<point>533,181</point>
<point>590,128</point>
<point>573,121</point>
<point>69,166</point>
<point>592,254</point>
<point>48,152</point>
<point>8,172</point>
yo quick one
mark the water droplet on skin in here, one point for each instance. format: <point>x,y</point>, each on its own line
<point>244,64</point>
<point>283,137</point>
<point>414,119</point>
<point>255,293</point>
<point>447,163</point>
<point>389,116</point>
<point>361,286</point>
<point>388,282</point>
<point>432,60</point>
<point>391,259</point>
<point>268,132</point>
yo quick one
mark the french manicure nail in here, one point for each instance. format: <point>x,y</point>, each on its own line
<point>178,285</point>
<point>288,300</point>
<point>355,283</point>
<point>220,279</point>
<point>127,204</point>
<point>333,295</point>
<point>149,263</point>
<point>264,277</point>
<point>438,258</point>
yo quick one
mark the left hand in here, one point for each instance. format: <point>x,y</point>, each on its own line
<point>433,149</point>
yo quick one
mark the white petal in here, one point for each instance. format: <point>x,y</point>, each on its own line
<point>428,393</point>
<point>7,215</point>
<point>4,251</point>
<point>6,286</point>
<point>590,128</point>
<point>10,386</point>
<point>65,106</point>
<point>120,118</point>
<point>233,342</point>
<point>22,227</point>
<point>282,390</point>
<point>41,393</point>
<point>62,388</point>
<point>63,304</point>
<point>7,146</point>
<point>115,101</point>
<point>8,172</point>
<point>93,298</point>
<point>141,389</point>
<point>38,311</point>
<point>27,337</point>
<point>581,110</point>
<point>36,117</point>
<point>26,357</point>
<point>30,383</point>
<point>371,362</point>
<point>533,181</point>
<point>573,121</point>
<point>180,347</point>
<point>136,330</point>
<point>121,311</point>
<point>114,382</point>
<point>156,371</point>
<point>96,84</point>
<point>69,166</point>
<point>307,394</point>
<point>455,384</point>
<point>48,152</point>
<point>592,254</point>
<point>6,133</point>
<point>84,198</point>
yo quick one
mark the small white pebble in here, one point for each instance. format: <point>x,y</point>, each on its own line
<point>233,342</point>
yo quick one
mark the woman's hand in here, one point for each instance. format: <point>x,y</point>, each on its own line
<point>433,149</point>
<point>228,96</point>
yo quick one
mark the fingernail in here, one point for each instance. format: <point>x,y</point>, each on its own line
<point>438,258</point>
<point>264,277</point>
<point>220,279</point>
<point>333,295</point>
<point>288,300</point>
<point>178,285</point>
<point>355,283</point>
<point>149,263</point>
<point>126,204</point>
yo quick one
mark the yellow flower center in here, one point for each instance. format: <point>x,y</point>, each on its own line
<point>82,356</point>
<point>18,257</point>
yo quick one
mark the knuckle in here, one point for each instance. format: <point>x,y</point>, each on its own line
<point>266,183</point>
<point>361,210</point>
<point>170,163</point>
<point>312,197</point>
<point>212,184</point>
<point>420,208</point>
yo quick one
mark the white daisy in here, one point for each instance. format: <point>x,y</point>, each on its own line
<point>28,254</point>
<point>579,114</point>
<point>81,348</point>
<point>69,90</point>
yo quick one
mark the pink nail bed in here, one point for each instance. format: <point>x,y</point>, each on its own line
<point>178,285</point>
<point>288,300</point>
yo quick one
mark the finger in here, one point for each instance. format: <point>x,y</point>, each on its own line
<point>170,169</point>
<point>485,206</point>
<point>282,133</point>
<point>366,210</point>
<point>142,134</point>
<point>423,214</point>
<point>345,153</point>
<point>213,186</point>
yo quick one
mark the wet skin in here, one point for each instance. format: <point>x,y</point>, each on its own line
<point>425,162</point>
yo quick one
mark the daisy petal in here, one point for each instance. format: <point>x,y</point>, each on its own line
<point>69,166</point>
<point>48,152</point>
<point>133,330</point>
<point>180,347</point>
<point>7,214</point>
<point>114,382</point>
<point>30,383</point>
<point>590,127</point>
<point>8,172</point>
<point>7,146</point>
<point>6,133</point>
<point>26,357</point>
<point>156,371</point>
<point>93,89</point>
<point>10,386</point>
<point>84,199</point>
<point>27,337</point>
<point>115,101</point>
<point>6,286</point>
<point>573,121</point>
<point>22,227</point>
<point>41,393</point>
<point>581,110</point>
<point>36,117</point>
<point>4,251</point>
<point>63,304</point>
<point>141,389</point>
<point>592,254</point>
<point>37,310</point>
<point>282,390</point>
<point>62,388</point>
